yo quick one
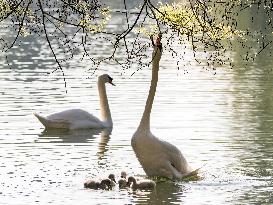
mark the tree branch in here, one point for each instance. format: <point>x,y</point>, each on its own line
<point>49,43</point>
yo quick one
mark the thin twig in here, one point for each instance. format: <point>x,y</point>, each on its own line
<point>49,43</point>
<point>20,27</point>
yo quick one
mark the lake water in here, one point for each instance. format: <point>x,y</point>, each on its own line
<point>222,122</point>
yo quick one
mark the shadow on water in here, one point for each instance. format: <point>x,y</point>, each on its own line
<point>75,136</point>
<point>92,143</point>
<point>104,139</point>
<point>166,192</point>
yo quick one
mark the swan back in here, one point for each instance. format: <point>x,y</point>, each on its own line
<point>71,119</point>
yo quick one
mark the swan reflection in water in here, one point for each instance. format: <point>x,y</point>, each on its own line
<point>78,136</point>
<point>74,136</point>
<point>166,192</point>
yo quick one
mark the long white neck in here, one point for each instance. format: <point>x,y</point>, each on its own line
<point>145,120</point>
<point>104,106</point>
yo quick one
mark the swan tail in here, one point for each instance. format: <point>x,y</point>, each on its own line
<point>60,124</point>
<point>193,173</point>
<point>43,120</point>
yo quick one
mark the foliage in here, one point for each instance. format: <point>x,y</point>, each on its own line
<point>29,17</point>
<point>207,25</point>
<point>188,22</point>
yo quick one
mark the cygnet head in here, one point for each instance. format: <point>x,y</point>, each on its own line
<point>112,177</point>
<point>106,79</point>
<point>131,179</point>
<point>123,174</point>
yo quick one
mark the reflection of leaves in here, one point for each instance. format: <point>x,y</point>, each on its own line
<point>191,178</point>
<point>160,179</point>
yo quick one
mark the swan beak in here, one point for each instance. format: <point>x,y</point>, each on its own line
<point>112,83</point>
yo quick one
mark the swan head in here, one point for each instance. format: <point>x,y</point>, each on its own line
<point>156,42</point>
<point>106,79</point>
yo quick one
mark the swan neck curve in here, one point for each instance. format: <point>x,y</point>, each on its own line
<point>145,120</point>
<point>104,106</point>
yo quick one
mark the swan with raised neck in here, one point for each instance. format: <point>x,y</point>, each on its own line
<point>157,157</point>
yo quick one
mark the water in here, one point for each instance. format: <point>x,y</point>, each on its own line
<point>222,122</point>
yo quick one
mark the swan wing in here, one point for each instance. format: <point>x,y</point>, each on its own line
<point>192,173</point>
<point>73,115</point>
<point>62,124</point>
<point>70,119</point>
<point>77,118</point>
<point>175,156</point>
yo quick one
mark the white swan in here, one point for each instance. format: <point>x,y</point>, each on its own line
<point>77,118</point>
<point>157,157</point>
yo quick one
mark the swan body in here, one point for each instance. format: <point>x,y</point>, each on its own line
<point>80,119</point>
<point>157,157</point>
<point>71,119</point>
<point>141,184</point>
